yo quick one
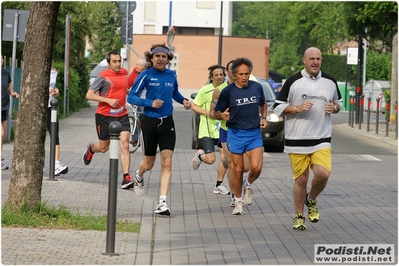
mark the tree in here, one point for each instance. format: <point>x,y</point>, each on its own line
<point>104,22</point>
<point>29,153</point>
<point>378,21</point>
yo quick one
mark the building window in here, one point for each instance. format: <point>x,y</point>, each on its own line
<point>206,4</point>
<point>149,29</point>
<point>149,10</point>
<point>191,31</point>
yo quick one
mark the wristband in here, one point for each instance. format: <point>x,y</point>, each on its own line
<point>263,118</point>
<point>335,109</point>
<point>296,109</point>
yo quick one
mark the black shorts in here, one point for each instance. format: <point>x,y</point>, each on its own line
<point>103,121</point>
<point>158,131</point>
<point>209,144</point>
<point>4,115</point>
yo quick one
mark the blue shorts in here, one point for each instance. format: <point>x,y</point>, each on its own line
<point>222,136</point>
<point>241,140</point>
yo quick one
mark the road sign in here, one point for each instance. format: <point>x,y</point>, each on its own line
<point>127,6</point>
<point>9,21</point>
<point>127,21</point>
<point>351,55</point>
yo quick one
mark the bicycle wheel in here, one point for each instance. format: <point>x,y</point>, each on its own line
<point>135,131</point>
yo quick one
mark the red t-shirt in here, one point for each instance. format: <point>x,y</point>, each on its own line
<point>114,86</point>
<point>133,76</point>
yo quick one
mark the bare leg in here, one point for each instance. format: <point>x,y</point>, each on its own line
<point>319,181</point>
<point>166,172</point>
<point>299,191</point>
<point>125,154</point>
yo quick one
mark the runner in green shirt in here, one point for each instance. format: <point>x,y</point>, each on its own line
<point>208,128</point>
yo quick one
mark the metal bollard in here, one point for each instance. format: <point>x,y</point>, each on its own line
<point>387,113</point>
<point>115,129</point>
<point>377,119</point>
<point>353,110</point>
<point>368,113</point>
<point>53,129</point>
<point>361,108</point>
<point>350,111</point>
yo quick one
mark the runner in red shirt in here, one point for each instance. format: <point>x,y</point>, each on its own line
<point>109,89</point>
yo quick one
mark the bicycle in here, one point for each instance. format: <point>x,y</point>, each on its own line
<point>135,128</point>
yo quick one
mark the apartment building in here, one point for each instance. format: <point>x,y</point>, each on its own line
<point>197,41</point>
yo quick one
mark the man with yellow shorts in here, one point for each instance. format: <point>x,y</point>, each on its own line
<point>307,100</point>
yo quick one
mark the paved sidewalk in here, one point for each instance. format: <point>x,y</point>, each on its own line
<point>359,206</point>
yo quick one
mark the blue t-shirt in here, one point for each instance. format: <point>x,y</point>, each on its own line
<point>160,85</point>
<point>243,104</point>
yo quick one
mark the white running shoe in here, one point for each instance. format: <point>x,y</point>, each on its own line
<point>221,189</point>
<point>248,195</point>
<point>4,166</point>
<point>138,185</point>
<point>233,202</point>
<point>238,208</point>
<point>162,209</point>
<point>60,169</point>
<point>196,161</point>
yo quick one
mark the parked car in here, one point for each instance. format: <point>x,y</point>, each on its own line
<point>103,65</point>
<point>272,136</point>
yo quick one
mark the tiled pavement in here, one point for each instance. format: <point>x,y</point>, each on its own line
<point>359,206</point>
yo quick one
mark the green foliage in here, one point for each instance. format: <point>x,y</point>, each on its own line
<point>44,216</point>
<point>77,88</point>
<point>379,66</point>
<point>79,31</point>
<point>104,20</point>
<point>379,18</point>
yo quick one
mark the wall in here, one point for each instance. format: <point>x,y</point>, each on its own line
<point>197,53</point>
<point>197,14</point>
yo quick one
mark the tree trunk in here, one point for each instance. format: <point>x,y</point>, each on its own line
<point>30,131</point>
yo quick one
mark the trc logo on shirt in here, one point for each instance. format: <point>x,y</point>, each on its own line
<point>244,101</point>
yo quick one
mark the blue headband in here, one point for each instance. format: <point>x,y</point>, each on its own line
<point>160,49</point>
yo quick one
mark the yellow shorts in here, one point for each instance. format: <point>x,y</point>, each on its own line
<point>301,162</point>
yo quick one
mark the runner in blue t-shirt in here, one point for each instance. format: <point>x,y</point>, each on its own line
<point>242,104</point>
<point>157,125</point>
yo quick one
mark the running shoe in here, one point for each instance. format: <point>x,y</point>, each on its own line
<point>162,209</point>
<point>4,166</point>
<point>88,154</point>
<point>127,182</point>
<point>299,222</point>
<point>248,195</point>
<point>60,169</point>
<point>133,142</point>
<point>221,189</point>
<point>233,202</point>
<point>196,161</point>
<point>238,208</point>
<point>138,185</point>
<point>313,213</point>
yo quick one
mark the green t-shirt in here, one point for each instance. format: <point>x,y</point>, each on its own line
<point>207,126</point>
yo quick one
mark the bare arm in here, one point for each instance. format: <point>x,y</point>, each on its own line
<point>93,96</point>
<point>215,97</point>
<point>263,112</point>
<point>199,110</point>
<point>12,92</point>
